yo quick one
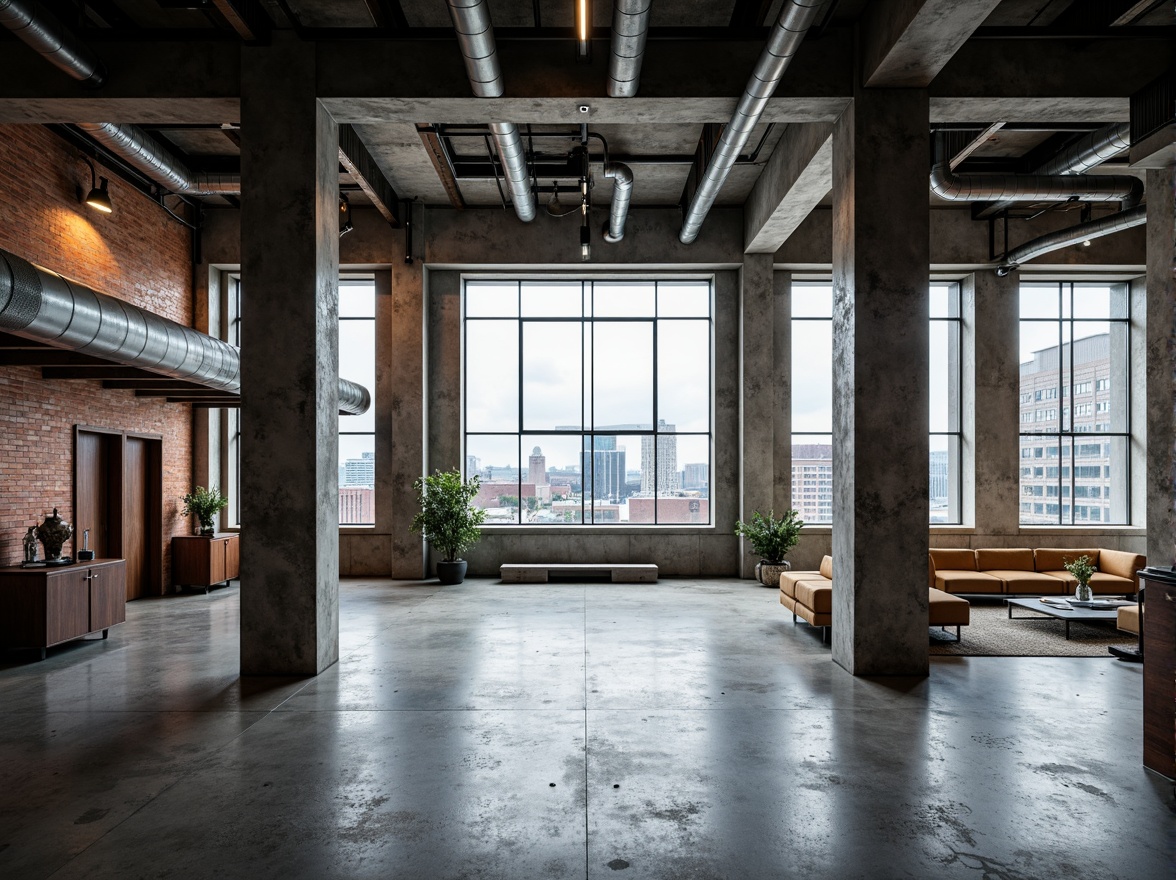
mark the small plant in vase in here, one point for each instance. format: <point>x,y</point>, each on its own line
<point>1082,570</point>
<point>771,537</point>
<point>204,504</point>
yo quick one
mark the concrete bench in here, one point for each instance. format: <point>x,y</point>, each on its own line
<point>619,573</point>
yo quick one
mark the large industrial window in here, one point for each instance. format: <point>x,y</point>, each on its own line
<point>357,434</point>
<point>1075,404</point>
<point>945,393</point>
<point>589,402</point>
<point>231,464</point>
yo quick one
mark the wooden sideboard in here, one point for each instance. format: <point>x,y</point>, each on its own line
<point>204,560</point>
<point>1159,670</point>
<point>43,607</point>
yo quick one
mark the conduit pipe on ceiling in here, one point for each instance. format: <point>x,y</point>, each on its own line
<point>1030,187</point>
<point>147,155</point>
<point>622,177</point>
<point>1053,241</point>
<point>629,28</point>
<point>795,19</point>
<point>38,28</point>
<point>43,306</point>
<point>475,37</point>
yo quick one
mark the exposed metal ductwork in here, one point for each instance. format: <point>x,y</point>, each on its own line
<point>147,155</point>
<point>795,19</point>
<point>622,177</point>
<point>1063,238</point>
<point>38,28</point>
<point>1030,187</point>
<point>475,36</point>
<point>43,306</point>
<point>629,29</point>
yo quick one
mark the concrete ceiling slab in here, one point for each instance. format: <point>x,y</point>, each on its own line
<point>201,141</point>
<point>332,13</point>
<point>401,155</point>
<point>561,13</point>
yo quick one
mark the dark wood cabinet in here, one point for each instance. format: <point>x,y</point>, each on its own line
<point>42,607</point>
<point>204,560</point>
<point>1159,670</point>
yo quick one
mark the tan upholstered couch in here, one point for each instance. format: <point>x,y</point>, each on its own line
<point>1032,572</point>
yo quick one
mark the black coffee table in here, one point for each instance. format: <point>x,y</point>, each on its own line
<point>1066,614</point>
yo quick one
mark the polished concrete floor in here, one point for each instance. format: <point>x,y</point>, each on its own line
<point>680,730</point>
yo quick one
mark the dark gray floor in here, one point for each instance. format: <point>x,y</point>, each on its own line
<point>680,730</point>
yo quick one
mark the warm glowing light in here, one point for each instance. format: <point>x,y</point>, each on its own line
<point>583,19</point>
<point>99,198</point>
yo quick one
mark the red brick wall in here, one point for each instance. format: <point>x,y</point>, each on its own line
<point>137,254</point>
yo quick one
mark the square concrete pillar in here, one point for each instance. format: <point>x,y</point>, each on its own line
<point>1161,368</point>
<point>881,261</point>
<point>289,366</point>
<point>757,394</point>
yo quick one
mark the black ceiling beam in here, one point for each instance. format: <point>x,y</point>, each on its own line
<point>247,18</point>
<point>157,384</point>
<point>45,357</point>
<point>109,14</point>
<point>750,13</point>
<point>442,163</point>
<point>387,14</point>
<point>105,370</point>
<point>354,156</point>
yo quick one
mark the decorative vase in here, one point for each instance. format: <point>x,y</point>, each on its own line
<point>54,532</point>
<point>453,572</point>
<point>768,573</point>
<point>1083,593</point>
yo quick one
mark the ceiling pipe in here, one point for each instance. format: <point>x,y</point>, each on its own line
<point>147,155</point>
<point>475,36</point>
<point>1063,238</point>
<point>629,29</point>
<point>1030,187</point>
<point>43,306</point>
<point>795,19</point>
<point>38,28</point>
<point>622,177</point>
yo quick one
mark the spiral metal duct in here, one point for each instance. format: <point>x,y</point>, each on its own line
<point>1073,235</point>
<point>146,154</point>
<point>1030,187</point>
<point>38,28</point>
<point>41,305</point>
<point>629,29</point>
<point>795,19</point>
<point>475,36</point>
<point>622,178</point>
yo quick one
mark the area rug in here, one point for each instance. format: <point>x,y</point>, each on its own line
<point>992,634</point>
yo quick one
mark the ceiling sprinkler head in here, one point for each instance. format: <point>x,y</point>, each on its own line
<point>584,108</point>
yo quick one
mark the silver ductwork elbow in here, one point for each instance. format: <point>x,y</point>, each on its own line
<point>622,177</point>
<point>795,19</point>
<point>148,156</point>
<point>627,49</point>
<point>475,37</point>
<point>38,28</point>
<point>1063,238</point>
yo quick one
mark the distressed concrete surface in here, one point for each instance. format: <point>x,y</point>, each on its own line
<point>1161,367</point>
<point>686,729</point>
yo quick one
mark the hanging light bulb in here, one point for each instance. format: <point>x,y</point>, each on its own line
<point>585,230</point>
<point>583,30</point>
<point>344,215</point>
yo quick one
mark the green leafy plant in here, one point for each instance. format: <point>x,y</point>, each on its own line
<point>1081,568</point>
<point>447,521</point>
<point>771,537</point>
<point>204,504</point>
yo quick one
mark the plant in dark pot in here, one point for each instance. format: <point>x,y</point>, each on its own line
<point>447,521</point>
<point>204,504</point>
<point>771,537</point>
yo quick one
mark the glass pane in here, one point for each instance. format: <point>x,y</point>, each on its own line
<point>627,299</point>
<point>1040,481</point>
<point>812,376</point>
<point>1039,301</point>
<point>1115,484</point>
<point>492,299</point>
<point>812,477</point>
<point>1111,394</point>
<point>357,300</point>
<point>552,377</point>
<point>495,461</point>
<point>550,485</point>
<point>944,376</point>
<point>683,299</point>
<point>676,504</point>
<point>491,371</point>
<point>622,394</point>
<point>357,362</point>
<point>683,374</point>
<point>945,299</point>
<point>552,299</point>
<point>945,478</point>
<point>357,480</point>
<point>812,300</point>
<point>618,472</point>
<point>1041,390</point>
<point>1092,301</point>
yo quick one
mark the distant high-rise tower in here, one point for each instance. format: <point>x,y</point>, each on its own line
<point>537,467</point>
<point>665,462</point>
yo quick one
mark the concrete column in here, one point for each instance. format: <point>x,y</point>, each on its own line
<point>408,402</point>
<point>881,255</point>
<point>1161,367</point>
<point>290,366</point>
<point>758,382</point>
<point>990,363</point>
<point>782,390</point>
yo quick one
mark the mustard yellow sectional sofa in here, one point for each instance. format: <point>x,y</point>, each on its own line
<point>1010,571</point>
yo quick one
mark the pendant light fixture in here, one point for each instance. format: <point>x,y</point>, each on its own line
<point>344,215</point>
<point>583,30</point>
<point>99,196</point>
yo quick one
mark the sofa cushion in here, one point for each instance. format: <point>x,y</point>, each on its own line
<point>1121,563</point>
<point>1020,559</point>
<point>967,582</point>
<point>789,580</point>
<point>1128,619</point>
<point>827,567</point>
<point>1020,581</point>
<point>1055,559</point>
<point>956,560</point>
<point>1101,583</point>
<point>944,609</point>
<point>817,595</point>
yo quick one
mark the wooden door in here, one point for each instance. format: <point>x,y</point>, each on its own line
<point>108,596</point>
<point>67,605</point>
<point>97,491</point>
<point>136,504</point>
<point>232,558</point>
<point>217,556</point>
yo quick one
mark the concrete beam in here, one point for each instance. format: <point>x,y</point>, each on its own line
<point>796,178</point>
<point>907,42</point>
<point>354,156</point>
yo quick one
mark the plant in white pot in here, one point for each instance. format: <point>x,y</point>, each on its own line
<point>447,520</point>
<point>771,537</point>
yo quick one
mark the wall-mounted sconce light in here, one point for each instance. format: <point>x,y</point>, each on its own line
<point>99,197</point>
<point>583,30</point>
<point>344,215</point>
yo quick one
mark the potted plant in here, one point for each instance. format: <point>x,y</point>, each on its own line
<point>447,521</point>
<point>1082,569</point>
<point>204,504</point>
<point>771,538</point>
